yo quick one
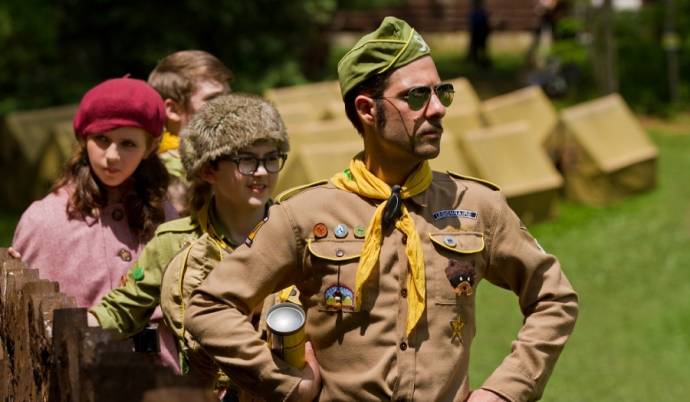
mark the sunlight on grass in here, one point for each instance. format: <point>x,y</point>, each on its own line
<point>629,263</point>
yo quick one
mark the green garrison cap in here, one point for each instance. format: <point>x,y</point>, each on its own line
<point>392,45</point>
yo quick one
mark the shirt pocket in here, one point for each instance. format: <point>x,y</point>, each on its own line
<point>336,262</point>
<point>456,266</point>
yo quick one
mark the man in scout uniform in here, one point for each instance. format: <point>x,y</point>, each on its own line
<point>387,256</point>
<point>186,80</point>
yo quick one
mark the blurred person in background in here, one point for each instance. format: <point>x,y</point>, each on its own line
<point>186,80</point>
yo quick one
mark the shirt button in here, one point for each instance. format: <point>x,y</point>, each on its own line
<point>125,255</point>
<point>404,239</point>
<point>118,214</point>
<point>403,292</point>
<point>403,346</point>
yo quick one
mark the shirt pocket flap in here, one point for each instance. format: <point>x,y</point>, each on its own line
<point>333,250</point>
<point>459,242</point>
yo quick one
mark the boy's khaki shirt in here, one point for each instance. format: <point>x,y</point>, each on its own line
<point>468,233</point>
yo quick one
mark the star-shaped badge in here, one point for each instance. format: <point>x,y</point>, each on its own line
<point>456,326</point>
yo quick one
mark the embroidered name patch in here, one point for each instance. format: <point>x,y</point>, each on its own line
<point>454,213</point>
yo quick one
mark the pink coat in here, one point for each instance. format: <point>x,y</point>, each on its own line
<point>86,257</point>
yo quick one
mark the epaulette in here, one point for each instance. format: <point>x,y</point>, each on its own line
<point>489,184</point>
<point>185,224</point>
<point>292,191</point>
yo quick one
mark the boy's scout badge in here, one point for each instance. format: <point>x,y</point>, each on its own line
<point>461,277</point>
<point>339,298</point>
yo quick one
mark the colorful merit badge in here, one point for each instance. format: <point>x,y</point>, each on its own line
<point>320,230</point>
<point>340,231</point>
<point>339,298</point>
<point>360,232</point>
<point>461,277</point>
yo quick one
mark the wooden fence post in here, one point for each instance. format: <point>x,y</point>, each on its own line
<point>49,354</point>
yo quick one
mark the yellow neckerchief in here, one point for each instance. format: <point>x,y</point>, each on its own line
<point>206,224</point>
<point>168,142</point>
<point>361,181</point>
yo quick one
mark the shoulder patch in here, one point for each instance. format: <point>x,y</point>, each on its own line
<point>487,183</point>
<point>185,224</point>
<point>295,190</point>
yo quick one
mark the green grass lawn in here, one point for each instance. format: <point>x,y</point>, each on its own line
<point>630,264</point>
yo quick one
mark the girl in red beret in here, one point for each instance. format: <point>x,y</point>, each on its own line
<point>110,199</point>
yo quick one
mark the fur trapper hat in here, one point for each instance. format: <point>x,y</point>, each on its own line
<point>226,125</point>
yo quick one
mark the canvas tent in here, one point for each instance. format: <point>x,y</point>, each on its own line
<point>322,131</point>
<point>463,115</point>
<point>308,163</point>
<point>509,156</point>
<point>607,154</point>
<point>529,104</point>
<point>35,145</point>
<point>300,104</point>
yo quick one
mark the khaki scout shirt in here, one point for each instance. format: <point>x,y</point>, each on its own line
<point>366,356</point>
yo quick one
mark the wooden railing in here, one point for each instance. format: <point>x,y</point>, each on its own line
<point>48,353</point>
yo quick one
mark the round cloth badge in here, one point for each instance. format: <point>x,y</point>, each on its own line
<point>360,232</point>
<point>450,241</point>
<point>320,230</point>
<point>138,274</point>
<point>340,231</point>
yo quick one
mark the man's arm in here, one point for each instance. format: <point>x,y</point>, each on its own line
<point>547,301</point>
<point>218,312</point>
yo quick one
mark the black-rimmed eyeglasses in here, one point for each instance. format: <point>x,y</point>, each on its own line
<point>248,164</point>
<point>418,97</point>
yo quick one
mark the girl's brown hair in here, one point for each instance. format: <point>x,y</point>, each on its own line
<point>144,203</point>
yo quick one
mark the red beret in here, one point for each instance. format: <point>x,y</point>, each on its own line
<point>120,102</point>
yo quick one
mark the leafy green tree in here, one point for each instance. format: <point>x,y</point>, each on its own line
<point>53,50</point>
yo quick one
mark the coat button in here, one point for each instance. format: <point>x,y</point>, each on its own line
<point>117,214</point>
<point>450,241</point>
<point>403,346</point>
<point>125,255</point>
<point>339,252</point>
<point>403,292</point>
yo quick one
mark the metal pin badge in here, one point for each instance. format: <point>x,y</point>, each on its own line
<point>340,231</point>
<point>320,230</point>
<point>456,326</point>
<point>360,232</point>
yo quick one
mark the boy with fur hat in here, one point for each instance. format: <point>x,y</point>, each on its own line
<point>186,80</point>
<point>387,256</point>
<point>232,151</point>
<point>110,199</point>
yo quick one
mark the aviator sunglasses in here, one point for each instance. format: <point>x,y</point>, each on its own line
<point>418,97</point>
